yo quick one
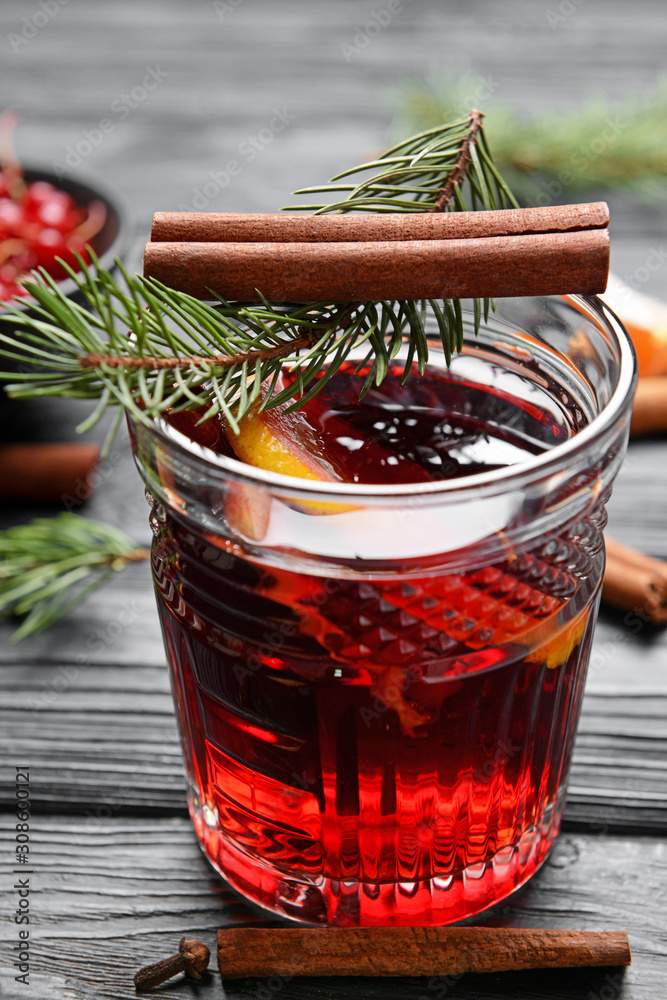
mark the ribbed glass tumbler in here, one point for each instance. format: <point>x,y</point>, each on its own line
<point>378,687</point>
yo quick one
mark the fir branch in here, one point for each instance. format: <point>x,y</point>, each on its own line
<point>50,565</point>
<point>149,349</point>
<point>144,348</point>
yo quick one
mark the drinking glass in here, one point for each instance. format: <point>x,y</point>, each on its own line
<point>378,686</point>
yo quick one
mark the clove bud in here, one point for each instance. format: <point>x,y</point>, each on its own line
<point>192,958</point>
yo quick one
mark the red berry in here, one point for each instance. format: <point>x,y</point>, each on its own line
<point>38,193</point>
<point>56,211</point>
<point>50,243</point>
<point>10,214</point>
<point>7,273</point>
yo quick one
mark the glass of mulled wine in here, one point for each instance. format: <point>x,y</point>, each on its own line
<point>378,675</point>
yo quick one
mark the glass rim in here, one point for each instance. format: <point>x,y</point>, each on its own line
<point>510,476</point>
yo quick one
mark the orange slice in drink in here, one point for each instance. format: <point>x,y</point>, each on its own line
<point>554,649</point>
<point>277,442</point>
<point>280,442</point>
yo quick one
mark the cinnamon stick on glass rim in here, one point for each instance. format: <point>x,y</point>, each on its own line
<point>357,258</point>
<point>411,951</point>
<point>280,227</point>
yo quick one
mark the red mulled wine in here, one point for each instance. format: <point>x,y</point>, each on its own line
<point>390,745</point>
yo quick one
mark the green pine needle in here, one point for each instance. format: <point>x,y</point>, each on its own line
<point>50,565</point>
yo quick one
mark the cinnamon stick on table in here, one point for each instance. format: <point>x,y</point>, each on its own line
<point>649,409</point>
<point>360,258</point>
<point>635,582</point>
<point>47,471</point>
<point>411,951</point>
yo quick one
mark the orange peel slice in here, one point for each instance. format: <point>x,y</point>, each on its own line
<point>285,443</point>
<point>555,650</point>
<point>259,443</point>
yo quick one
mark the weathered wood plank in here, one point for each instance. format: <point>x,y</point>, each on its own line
<point>111,894</point>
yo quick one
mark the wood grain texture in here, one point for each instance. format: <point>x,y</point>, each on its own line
<point>119,876</point>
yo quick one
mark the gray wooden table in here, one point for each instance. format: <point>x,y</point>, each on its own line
<point>188,88</point>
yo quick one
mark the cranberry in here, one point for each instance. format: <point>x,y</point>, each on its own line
<point>57,211</point>
<point>10,214</point>
<point>38,193</point>
<point>49,244</point>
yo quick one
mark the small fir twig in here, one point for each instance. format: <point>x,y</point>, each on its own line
<point>50,565</point>
<point>411,176</point>
<point>463,161</point>
<point>212,361</point>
